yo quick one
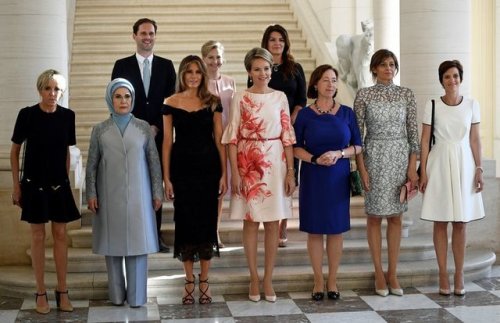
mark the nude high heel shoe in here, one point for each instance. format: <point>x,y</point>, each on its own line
<point>253,298</point>
<point>63,308</point>
<point>42,309</point>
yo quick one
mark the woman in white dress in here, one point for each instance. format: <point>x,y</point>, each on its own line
<point>451,175</point>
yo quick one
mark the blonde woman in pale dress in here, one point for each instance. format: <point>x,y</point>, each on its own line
<point>223,86</point>
<point>260,139</point>
<point>451,175</point>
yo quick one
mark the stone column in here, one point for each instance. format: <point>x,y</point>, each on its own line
<point>34,38</point>
<point>431,32</point>
<point>386,27</point>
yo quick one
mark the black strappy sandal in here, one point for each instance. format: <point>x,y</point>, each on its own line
<point>189,298</point>
<point>204,298</point>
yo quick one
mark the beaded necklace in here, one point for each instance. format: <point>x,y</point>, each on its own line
<point>324,111</point>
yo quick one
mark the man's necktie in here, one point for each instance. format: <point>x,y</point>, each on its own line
<point>146,76</point>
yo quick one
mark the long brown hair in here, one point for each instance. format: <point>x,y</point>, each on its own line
<point>287,59</point>
<point>203,93</point>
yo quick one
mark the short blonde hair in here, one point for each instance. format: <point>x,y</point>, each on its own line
<point>48,75</point>
<point>255,53</point>
<point>209,45</point>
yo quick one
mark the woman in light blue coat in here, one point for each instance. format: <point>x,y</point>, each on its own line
<point>124,188</point>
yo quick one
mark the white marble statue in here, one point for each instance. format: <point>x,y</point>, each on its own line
<point>354,54</point>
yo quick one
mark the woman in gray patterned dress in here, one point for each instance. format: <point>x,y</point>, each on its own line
<point>386,115</point>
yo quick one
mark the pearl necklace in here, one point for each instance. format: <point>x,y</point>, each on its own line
<point>324,111</point>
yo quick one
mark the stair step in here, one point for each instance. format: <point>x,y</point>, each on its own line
<point>355,251</point>
<point>164,46</point>
<point>230,230</point>
<point>18,281</point>
<point>248,31</point>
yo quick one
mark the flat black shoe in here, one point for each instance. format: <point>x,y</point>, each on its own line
<point>317,296</point>
<point>333,294</point>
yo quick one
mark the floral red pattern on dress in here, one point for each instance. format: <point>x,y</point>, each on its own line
<point>252,164</point>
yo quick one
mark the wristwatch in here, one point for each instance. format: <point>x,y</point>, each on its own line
<point>313,159</point>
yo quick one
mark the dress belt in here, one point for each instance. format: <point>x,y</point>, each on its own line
<point>260,139</point>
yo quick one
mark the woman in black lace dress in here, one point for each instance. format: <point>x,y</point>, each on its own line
<point>194,167</point>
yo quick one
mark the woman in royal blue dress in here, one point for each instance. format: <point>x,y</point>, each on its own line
<point>327,135</point>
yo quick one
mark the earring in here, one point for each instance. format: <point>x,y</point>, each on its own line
<point>250,80</point>
<point>315,88</point>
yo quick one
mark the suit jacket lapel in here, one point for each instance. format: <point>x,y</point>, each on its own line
<point>154,73</point>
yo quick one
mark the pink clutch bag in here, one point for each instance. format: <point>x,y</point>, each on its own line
<point>407,192</point>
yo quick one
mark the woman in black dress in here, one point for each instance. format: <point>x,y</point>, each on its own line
<point>44,193</point>
<point>287,76</point>
<point>194,171</point>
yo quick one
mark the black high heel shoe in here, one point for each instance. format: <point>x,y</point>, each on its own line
<point>317,296</point>
<point>189,298</point>
<point>204,298</point>
<point>42,309</point>
<point>333,294</point>
<point>67,308</point>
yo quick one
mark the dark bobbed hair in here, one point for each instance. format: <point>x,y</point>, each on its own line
<point>446,65</point>
<point>141,21</point>
<point>378,57</point>
<point>312,91</point>
<point>203,93</point>
<point>287,59</point>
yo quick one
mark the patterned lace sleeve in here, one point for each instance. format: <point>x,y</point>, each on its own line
<point>360,109</point>
<point>154,167</point>
<point>93,159</point>
<point>411,122</point>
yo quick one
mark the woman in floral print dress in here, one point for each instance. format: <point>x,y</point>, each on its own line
<point>260,138</point>
<point>386,115</point>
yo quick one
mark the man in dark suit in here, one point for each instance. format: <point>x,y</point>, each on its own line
<point>153,78</point>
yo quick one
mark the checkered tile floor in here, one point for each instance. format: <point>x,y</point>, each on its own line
<point>420,304</point>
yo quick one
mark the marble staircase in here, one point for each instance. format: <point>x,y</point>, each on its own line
<point>102,34</point>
